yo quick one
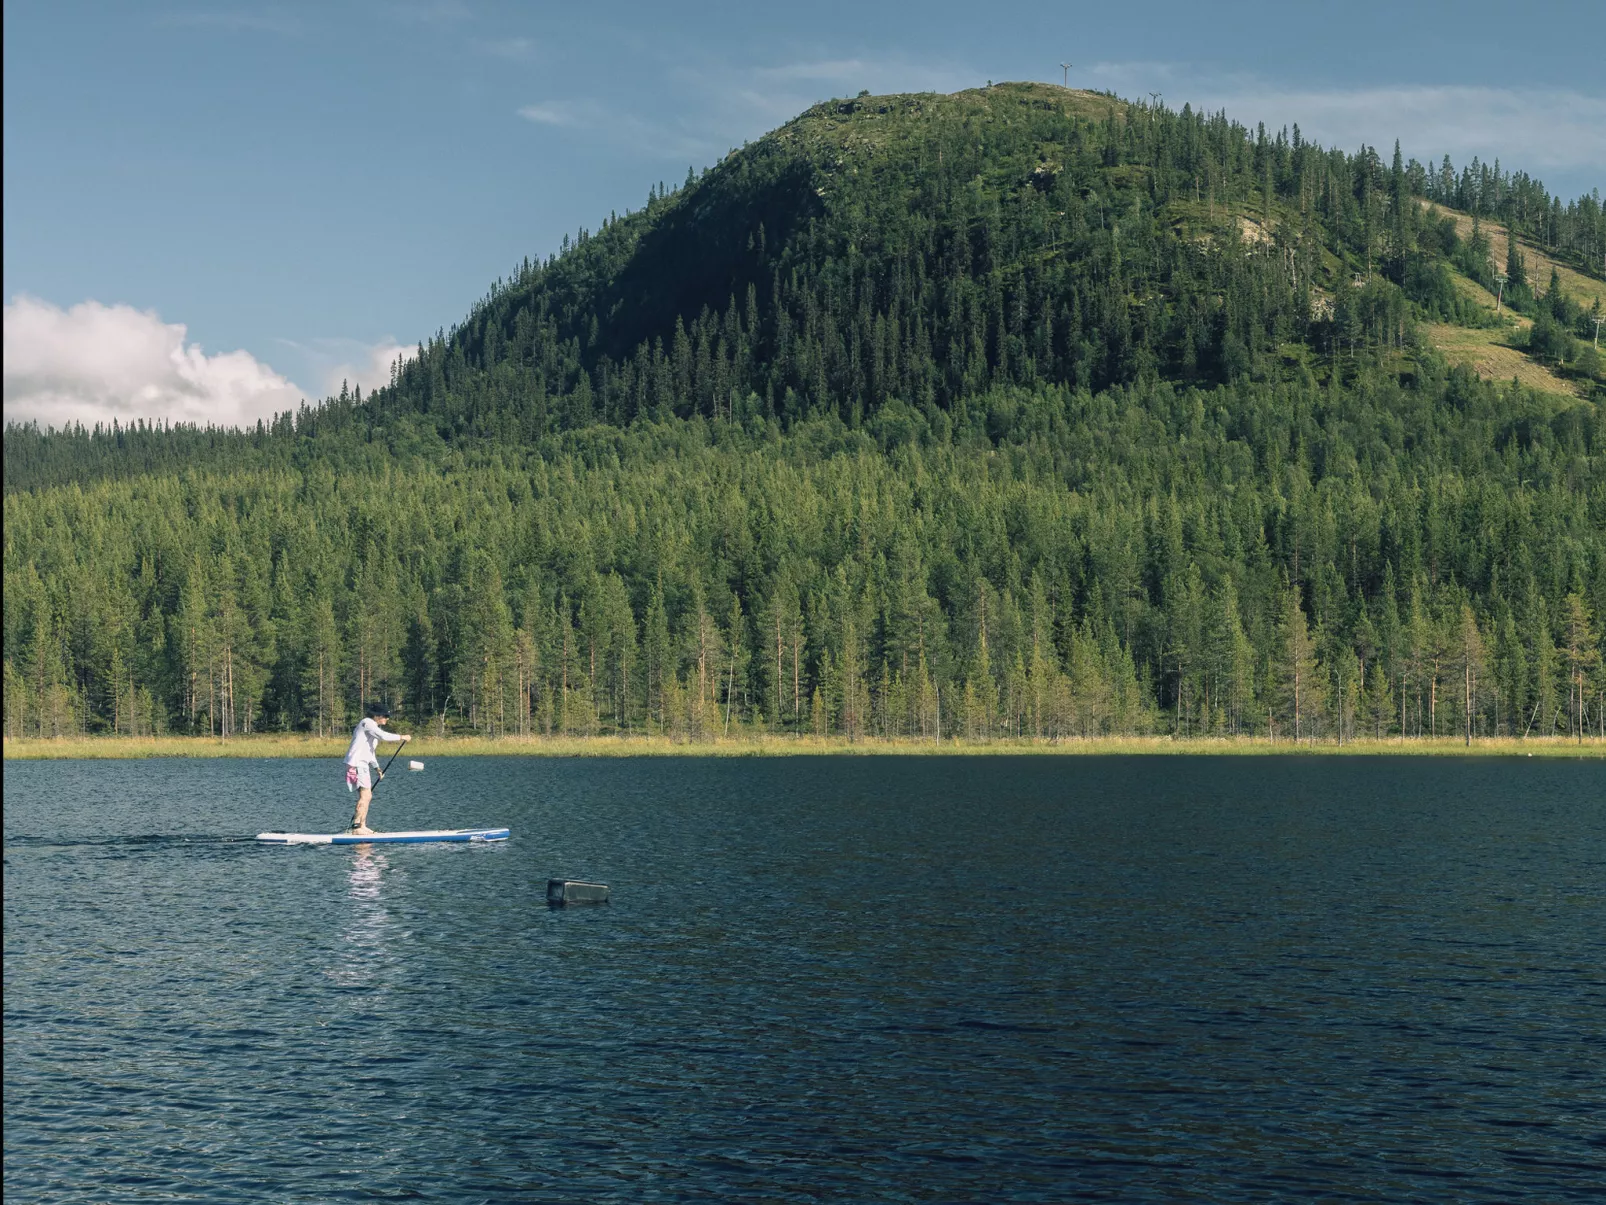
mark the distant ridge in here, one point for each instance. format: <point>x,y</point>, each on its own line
<point>981,232</point>
<point>927,248</point>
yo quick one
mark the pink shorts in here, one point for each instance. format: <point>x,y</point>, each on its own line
<point>357,778</point>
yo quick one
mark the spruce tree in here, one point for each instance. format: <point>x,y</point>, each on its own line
<point>1582,657</point>
<point>1298,671</point>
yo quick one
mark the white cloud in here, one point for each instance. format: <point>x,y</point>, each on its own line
<point>92,363</point>
<point>555,113</point>
<point>354,363</point>
<point>517,50</point>
<point>642,136</point>
<point>333,362</point>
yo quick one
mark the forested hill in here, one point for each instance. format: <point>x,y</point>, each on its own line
<point>1019,410</point>
<point>928,248</point>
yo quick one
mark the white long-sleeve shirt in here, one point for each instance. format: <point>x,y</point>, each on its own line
<point>364,740</point>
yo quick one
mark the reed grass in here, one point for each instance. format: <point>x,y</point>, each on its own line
<point>763,745</point>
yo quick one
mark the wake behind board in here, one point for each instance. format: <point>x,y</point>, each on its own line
<point>411,838</point>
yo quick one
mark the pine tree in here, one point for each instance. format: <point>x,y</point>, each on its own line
<point>735,659</point>
<point>1582,656</point>
<point>321,665</point>
<point>1469,653</point>
<point>1511,674</point>
<point>1299,673</point>
<point>981,691</point>
<point>1542,662</point>
<point>1379,700</point>
<point>1042,674</point>
<point>1346,670</point>
<point>1516,264</point>
<point>1185,622</point>
<point>658,659</point>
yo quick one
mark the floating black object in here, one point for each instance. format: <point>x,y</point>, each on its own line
<point>567,891</point>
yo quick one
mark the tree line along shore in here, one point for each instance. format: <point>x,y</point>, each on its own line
<point>687,579</point>
<point>761,744</point>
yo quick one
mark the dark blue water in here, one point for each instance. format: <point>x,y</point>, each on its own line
<point>863,979</point>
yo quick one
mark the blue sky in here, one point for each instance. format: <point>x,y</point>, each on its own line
<point>213,209</point>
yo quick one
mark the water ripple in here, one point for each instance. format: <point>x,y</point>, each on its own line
<point>842,979</point>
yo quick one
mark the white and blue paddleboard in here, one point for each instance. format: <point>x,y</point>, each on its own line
<point>413,838</point>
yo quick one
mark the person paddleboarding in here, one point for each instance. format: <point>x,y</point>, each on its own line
<point>362,763</point>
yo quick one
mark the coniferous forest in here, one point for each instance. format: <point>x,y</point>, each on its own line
<point>1020,412</point>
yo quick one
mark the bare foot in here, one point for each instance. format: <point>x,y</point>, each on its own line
<point>364,831</point>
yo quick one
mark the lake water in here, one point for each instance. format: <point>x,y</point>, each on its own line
<point>854,979</point>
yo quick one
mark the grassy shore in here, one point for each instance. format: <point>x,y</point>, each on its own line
<point>280,745</point>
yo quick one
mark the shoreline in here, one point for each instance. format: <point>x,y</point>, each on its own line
<point>280,745</point>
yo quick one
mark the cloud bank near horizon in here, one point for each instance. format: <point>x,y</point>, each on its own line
<point>365,365</point>
<point>337,363</point>
<point>92,363</point>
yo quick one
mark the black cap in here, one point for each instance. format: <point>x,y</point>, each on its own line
<point>378,710</point>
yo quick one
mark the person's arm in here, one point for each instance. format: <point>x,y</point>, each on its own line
<point>390,736</point>
<point>370,728</point>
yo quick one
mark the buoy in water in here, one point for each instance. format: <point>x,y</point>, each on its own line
<point>568,891</point>
<point>415,765</point>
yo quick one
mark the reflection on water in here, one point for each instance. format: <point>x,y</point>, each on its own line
<point>367,870</point>
<point>854,979</point>
<point>363,954</point>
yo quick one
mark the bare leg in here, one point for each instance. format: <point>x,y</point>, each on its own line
<point>359,822</point>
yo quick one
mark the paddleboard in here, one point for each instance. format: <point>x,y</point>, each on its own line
<point>412,838</point>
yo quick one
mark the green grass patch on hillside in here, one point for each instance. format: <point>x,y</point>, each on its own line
<point>1575,284</point>
<point>1492,353</point>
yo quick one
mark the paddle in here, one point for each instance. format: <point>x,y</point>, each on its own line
<point>386,767</point>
